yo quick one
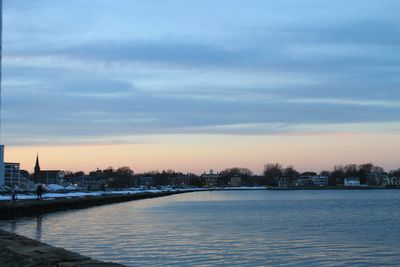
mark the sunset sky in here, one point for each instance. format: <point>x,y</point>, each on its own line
<point>194,85</point>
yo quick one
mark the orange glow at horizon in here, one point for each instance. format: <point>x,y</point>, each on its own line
<point>199,153</point>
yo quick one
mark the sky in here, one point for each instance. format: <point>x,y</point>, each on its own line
<point>201,84</point>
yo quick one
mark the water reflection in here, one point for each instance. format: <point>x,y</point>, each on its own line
<point>263,228</point>
<point>38,233</point>
<point>13,226</point>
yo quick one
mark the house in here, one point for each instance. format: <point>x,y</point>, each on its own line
<point>211,179</point>
<point>319,180</point>
<point>146,181</point>
<point>391,181</point>
<point>304,181</point>
<point>377,178</point>
<point>351,182</point>
<point>283,182</point>
<point>236,181</point>
<point>181,179</point>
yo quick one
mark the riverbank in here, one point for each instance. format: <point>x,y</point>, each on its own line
<point>28,207</point>
<point>17,250</point>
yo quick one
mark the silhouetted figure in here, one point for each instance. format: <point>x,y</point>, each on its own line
<point>14,194</point>
<point>39,191</point>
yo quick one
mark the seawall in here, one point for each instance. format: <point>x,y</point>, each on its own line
<point>10,210</point>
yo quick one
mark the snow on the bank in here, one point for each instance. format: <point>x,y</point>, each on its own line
<point>52,195</point>
<point>86,194</point>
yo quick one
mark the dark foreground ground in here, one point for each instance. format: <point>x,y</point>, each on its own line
<point>18,251</point>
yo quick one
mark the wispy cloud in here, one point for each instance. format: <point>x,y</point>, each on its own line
<point>99,70</point>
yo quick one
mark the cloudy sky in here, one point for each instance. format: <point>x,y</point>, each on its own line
<point>199,84</point>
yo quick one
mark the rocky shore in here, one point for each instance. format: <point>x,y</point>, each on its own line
<point>17,251</point>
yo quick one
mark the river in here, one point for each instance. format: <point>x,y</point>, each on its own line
<point>232,228</point>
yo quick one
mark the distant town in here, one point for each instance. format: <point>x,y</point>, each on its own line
<point>274,176</point>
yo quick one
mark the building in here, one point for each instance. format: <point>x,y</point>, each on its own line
<point>391,181</point>
<point>283,182</point>
<point>12,175</point>
<point>210,179</point>
<point>351,182</point>
<point>377,178</point>
<point>181,179</point>
<point>236,181</point>
<point>304,181</point>
<point>320,180</point>
<point>47,176</point>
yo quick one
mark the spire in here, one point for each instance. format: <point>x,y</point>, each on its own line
<point>37,166</point>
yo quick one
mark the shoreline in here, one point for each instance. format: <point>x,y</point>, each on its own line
<point>22,208</point>
<point>30,206</point>
<point>16,250</point>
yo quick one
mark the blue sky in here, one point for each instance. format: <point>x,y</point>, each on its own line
<point>111,72</point>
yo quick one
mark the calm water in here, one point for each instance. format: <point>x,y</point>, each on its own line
<point>234,228</point>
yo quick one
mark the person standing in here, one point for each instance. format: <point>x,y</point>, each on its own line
<point>39,191</point>
<point>14,194</point>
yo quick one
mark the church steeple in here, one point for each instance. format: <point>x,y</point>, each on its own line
<point>37,166</point>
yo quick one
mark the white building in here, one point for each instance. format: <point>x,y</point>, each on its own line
<point>351,182</point>
<point>210,179</point>
<point>320,180</point>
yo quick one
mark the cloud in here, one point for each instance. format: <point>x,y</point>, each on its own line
<point>244,69</point>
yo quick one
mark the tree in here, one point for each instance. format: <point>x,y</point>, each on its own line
<point>290,174</point>
<point>351,170</point>
<point>395,173</point>
<point>122,177</point>
<point>364,171</point>
<point>337,176</point>
<point>272,172</point>
<point>243,173</point>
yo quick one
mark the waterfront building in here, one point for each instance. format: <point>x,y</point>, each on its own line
<point>211,179</point>
<point>146,181</point>
<point>12,175</point>
<point>304,181</point>
<point>181,179</point>
<point>351,182</point>
<point>320,180</point>
<point>311,179</point>
<point>391,181</point>
<point>283,182</point>
<point>236,181</point>
<point>377,178</point>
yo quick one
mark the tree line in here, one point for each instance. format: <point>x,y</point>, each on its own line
<point>272,173</point>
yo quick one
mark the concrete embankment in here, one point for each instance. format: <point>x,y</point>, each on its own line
<point>9,210</point>
<point>16,251</point>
